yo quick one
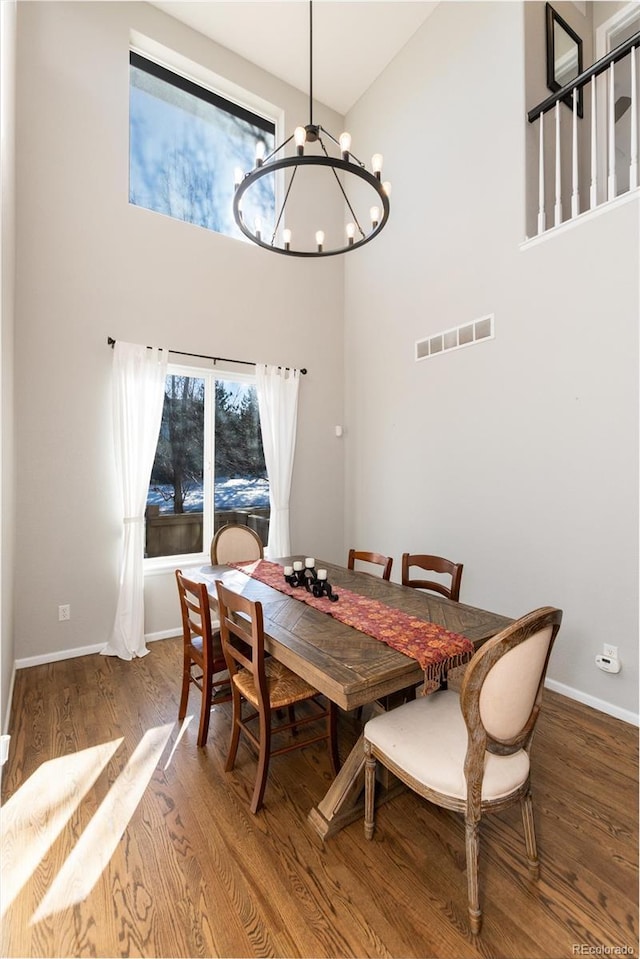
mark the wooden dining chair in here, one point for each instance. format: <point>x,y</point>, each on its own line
<point>470,753</point>
<point>202,652</point>
<point>365,557</point>
<point>267,686</point>
<point>433,564</point>
<point>235,543</point>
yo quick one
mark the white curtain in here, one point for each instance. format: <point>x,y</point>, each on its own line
<point>139,378</point>
<point>278,404</point>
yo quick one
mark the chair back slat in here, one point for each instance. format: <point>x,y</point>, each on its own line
<point>432,564</point>
<point>206,658</point>
<point>196,614</point>
<point>242,633</point>
<point>377,559</point>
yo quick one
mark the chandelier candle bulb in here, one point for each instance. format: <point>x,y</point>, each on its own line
<point>286,237</point>
<point>376,164</point>
<point>351,232</point>
<point>375,216</point>
<point>386,186</point>
<point>258,225</point>
<point>237,176</point>
<point>260,152</point>
<point>300,135</point>
<point>345,145</point>
<point>320,239</point>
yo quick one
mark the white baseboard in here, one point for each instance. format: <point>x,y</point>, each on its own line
<point>57,656</point>
<point>163,634</point>
<point>600,704</point>
<point>85,651</point>
<point>7,715</point>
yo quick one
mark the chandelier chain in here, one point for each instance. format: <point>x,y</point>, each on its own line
<point>310,62</point>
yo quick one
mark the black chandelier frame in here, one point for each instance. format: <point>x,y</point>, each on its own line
<point>346,163</point>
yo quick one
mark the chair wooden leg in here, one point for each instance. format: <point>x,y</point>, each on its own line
<point>530,836</point>
<point>186,682</point>
<point>472,848</point>
<point>205,709</point>
<point>263,761</point>
<point>235,731</point>
<point>369,791</point>
<point>292,718</point>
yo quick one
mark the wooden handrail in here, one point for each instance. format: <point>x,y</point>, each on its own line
<point>593,71</point>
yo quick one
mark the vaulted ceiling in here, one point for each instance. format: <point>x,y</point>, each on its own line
<point>353,40</point>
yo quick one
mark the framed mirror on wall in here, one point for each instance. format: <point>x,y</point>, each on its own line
<point>564,56</point>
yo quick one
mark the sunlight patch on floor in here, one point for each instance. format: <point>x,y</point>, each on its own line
<point>95,847</point>
<point>183,729</point>
<point>33,818</point>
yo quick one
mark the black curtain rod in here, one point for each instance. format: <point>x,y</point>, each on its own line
<point>201,356</point>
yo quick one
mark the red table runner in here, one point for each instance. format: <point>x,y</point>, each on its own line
<point>433,646</point>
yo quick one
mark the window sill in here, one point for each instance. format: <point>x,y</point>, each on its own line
<point>161,565</point>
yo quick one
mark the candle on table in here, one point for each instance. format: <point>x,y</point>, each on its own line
<point>288,571</point>
<point>309,562</point>
<point>322,574</point>
<point>297,565</point>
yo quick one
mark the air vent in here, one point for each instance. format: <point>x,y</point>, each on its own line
<point>467,335</point>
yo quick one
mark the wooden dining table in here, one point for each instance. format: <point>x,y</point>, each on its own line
<point>346,665</point>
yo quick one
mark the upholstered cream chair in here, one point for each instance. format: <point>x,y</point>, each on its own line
<point>470,753</point>
<point>235,544</point>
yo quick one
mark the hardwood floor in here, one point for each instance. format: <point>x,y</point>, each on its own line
<point>121,838</point>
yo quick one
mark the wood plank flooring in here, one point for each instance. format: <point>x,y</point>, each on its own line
<point>121,838</point>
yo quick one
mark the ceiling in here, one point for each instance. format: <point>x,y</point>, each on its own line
<point>353,40</point>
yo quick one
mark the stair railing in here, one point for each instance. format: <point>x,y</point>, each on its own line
<point>569,93</point>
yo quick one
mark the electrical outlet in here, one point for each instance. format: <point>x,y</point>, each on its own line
<point>611,652</point>
<point>64,613</point>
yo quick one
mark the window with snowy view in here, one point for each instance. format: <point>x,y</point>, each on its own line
<point>209,467</point>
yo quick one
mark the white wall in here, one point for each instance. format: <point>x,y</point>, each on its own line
<point>91,266</point>
<point>517,457</point>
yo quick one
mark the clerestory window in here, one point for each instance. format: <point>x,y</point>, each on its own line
<point>185,144</point>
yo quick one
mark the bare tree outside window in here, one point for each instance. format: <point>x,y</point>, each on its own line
<point>239,477</point>
<point>185,144</point>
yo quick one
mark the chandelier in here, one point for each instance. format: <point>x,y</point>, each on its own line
<point>348,171</point>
